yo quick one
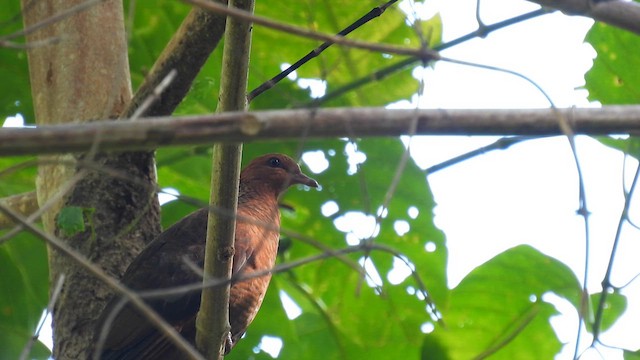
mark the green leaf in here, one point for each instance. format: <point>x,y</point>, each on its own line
<point>23,265</point>
<point>432,30</point>
<point>630,145</point>
<point>631,355</point>
<point>433,349</point>
<point>613,78</point>
<point>14,72</point>
<point>498,309</point>
<point>71,220</point>
<point>614,306</point>
<point>18,175</point>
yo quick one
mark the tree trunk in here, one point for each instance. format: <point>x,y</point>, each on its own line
<point>84,75</point>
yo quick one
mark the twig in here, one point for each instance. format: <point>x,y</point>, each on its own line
<point>52,300</point>
<point>155,94</point>
<point>606,282</point>
<point>384,72</point>
<point>424,54</point>
<point>62,191</point>
<point>375,12</point>
<point>186,53</point>
<point>80,259</point>
<point>52,19</point>
<point>500,144</point>
<point>25,204</point>
<point>519,325</point>
<point>197,286</point>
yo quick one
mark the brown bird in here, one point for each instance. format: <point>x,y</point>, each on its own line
<point>167,262</point>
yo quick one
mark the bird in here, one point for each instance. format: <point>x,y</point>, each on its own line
<point>168,260</point>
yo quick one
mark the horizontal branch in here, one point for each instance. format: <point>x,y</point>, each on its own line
<point>297,124</point>
<point>620,13</point>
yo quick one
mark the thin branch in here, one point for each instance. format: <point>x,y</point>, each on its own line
<point>606,282</point>
<point>289,124</point>
<point>80,259</point>
<point>24,204</point>
<point>584,212</point>
<point>180,290</point>
<point>424,54</point>
<point>185,53</point>
<point>61,192</point>
<point>52,301</point>
<point>500,144</point>
<point>52,19</point>
<point>374,13</point>
<point>322,310</point>
<point>384,72</point>
<point>516,328</point>
<point>619,13</point>
<point>155,95</point>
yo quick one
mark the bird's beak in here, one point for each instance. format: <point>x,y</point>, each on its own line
<point>303,179</point>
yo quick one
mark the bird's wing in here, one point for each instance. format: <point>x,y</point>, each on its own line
<point>243,251</point>
<point>163,264</point>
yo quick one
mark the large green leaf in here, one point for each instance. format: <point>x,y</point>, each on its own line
<point>14,72</point>
<point>613,78</point>
<point>24,284</point>
<point>498,309</point>
<point>17,175</point>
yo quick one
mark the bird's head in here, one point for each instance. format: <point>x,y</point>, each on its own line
<point>275,172</point>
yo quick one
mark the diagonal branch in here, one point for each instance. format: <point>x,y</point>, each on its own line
<point>424,54</point>
<point>186,53</point>
<point>96,271</point>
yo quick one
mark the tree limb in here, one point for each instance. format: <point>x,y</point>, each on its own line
<point>622,14</point>
<point>232,127</point>
<point>186,52</point>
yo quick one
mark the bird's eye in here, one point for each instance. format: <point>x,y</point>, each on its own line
<point>274,162</point>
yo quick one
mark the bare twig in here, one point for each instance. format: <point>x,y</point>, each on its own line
<point>403,64</point>
<point>51,19</point>
<point>62,191</point>
<point>500,144</point>
<point>24,204</point>
<point>424,54</point>
<point>375,12</point>
<point>606,282</point>
<point>52,300</point>
<point>80,259</point>
<point>155,94</point>
<point>186,53</point>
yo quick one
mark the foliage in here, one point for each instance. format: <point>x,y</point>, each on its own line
<point>613,79</point>
<point>14,72</point>
<point>498,309</point>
